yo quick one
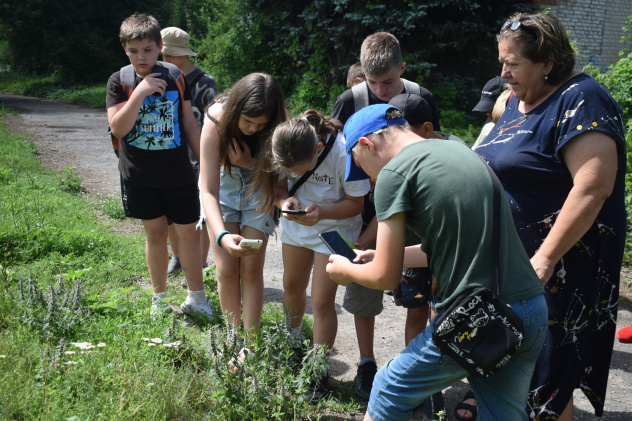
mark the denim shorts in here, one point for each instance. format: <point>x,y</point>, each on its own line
<point>237,206</point>
<point>420,370</point>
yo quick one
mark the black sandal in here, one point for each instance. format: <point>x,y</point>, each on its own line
<point>466,406</point>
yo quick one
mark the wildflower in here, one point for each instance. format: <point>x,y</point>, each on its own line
<point>83,345</point>
<point>69,352</point>
<point>151,344</point>
<point>146,339</point>
<point>3,356</point>
<point>101,345</point>
<point>70,362</point>
<point>167,345</point>
<point>156,340</point>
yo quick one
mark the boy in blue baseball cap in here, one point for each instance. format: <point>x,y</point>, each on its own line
<point>444,193</point>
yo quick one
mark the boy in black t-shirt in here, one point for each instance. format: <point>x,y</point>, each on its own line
<point>154,122</point>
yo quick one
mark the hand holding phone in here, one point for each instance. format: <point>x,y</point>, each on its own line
<point>251,243</point>
<point>294,211</point>
<point>164,73</point>
<point>337,244</point>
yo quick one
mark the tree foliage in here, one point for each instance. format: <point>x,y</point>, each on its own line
<point>309,45</point>
<point>78,39</point>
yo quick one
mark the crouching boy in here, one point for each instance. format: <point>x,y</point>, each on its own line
<point>443,192</point>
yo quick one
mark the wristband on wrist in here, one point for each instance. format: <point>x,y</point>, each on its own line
<point>219,237</point>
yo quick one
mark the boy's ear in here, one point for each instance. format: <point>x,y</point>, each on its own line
<point>428,129</point>
<point>401,69</point>
<point>366,142</point>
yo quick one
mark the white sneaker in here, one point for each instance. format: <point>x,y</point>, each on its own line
<point>204,309</point>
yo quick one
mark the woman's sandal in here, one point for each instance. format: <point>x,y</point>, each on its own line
<point>467,407</point>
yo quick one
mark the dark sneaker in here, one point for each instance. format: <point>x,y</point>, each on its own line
<point>317,389</point>
<point>364,379</point>
<point>174,265</point>
<point>432,407</point>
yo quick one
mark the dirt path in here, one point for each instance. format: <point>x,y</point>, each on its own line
<point>70,135</point>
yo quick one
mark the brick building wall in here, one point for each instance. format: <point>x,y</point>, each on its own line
<point>596,26</point>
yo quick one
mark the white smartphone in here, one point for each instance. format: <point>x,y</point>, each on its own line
<point>253,244</point>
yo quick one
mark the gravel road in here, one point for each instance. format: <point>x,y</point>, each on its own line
<point>70,135</point>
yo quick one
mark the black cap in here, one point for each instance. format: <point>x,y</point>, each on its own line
<point>491,91</point>
<point>414,108</point>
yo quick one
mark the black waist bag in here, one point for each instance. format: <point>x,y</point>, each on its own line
<point>479,331</point>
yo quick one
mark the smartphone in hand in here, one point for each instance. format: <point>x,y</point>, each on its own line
<point>164,73</point>
<point>294,211</point>
<point>337,244</point>
<point>253,244</point>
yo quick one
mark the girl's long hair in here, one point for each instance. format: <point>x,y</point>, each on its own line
<point>255,95</point>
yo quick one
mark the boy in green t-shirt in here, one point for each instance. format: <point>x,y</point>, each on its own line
<point>443,192</point>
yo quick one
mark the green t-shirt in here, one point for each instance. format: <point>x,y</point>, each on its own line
<point>446,193</point>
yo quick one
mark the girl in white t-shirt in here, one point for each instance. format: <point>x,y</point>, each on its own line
<point>330,203</point>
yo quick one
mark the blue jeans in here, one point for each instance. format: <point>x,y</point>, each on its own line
<point>420,370</point>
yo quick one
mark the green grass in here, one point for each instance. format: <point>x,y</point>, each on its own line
<point>67,278</point>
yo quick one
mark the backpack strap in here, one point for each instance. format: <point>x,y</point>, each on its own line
<point>360,96</point>
<point>361,93</point>
<point>328,146</point>
<point>411,87</point>
<point>177,76</point>
<point>128,79</point>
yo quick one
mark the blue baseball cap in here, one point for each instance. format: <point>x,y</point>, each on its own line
<point>366,121</point>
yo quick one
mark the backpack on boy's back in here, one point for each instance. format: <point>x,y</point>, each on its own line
<point>128,82</point>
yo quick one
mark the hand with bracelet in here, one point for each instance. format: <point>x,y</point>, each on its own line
<point>230,243</point>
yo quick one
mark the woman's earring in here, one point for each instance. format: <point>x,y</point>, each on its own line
<point>546,77</point>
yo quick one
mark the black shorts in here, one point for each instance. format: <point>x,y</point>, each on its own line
<point>180,204</point>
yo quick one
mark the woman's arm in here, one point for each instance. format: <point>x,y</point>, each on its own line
<point>385,270</point>
<point>591,159</point>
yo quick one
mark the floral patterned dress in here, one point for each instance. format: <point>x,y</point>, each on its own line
<point>582,295</point>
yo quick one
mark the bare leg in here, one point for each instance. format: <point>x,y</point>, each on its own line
<point>416,321</point>
<point>156,253</point>
<point>567,415</point>
<point>251,273</point>
<point>228,285</point>
<point>205,245</point>
<point>323,303</point>
<point>173,240</point>
<point>365,332</point>
<point>297,266</point>
<point>190,257</point>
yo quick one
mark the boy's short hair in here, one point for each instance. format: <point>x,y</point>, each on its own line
<point>355,71</point>
<point>380,53</point>
<point>140,26</point>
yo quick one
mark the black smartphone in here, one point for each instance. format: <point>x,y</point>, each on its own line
<point>294,211</point>
<point>164,72</point>
<point>337,245</point>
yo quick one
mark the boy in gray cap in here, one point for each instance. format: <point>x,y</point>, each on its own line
<point>176,50</point>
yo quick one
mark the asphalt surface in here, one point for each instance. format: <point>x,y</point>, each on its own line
<point>70,135</point>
